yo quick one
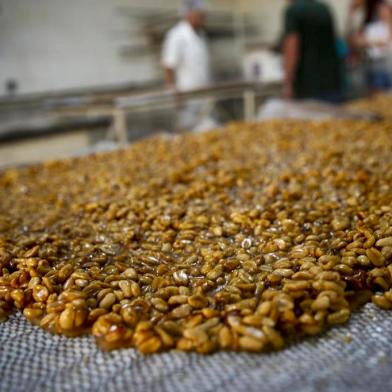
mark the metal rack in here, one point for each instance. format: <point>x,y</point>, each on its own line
<point>248,92</point>
<point>112,107</point>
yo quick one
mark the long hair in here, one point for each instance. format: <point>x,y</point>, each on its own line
<point>371,9</point>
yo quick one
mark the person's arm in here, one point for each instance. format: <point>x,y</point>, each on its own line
<point>291,49</point>
<point>291,58</point>
<point>171,57</point>
<point>358,40</point>
<point>170,77</point>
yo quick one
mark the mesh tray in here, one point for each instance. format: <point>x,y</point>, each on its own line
<point>357,357</point>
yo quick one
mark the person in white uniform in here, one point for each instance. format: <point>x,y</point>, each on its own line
<point>186,59</point>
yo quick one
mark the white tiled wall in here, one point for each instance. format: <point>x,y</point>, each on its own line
<point>56,44</point>
<point>60,44</point>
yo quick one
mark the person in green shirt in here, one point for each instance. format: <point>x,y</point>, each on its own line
<point>312,65</point>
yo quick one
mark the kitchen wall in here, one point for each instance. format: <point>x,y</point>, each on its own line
<point>48,45</point>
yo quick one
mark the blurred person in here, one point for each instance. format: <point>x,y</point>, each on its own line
<point>186,60</point>
<point>312,65</point>
<point>186,57</point>
<point>375,37</point>
<point>356,76</point>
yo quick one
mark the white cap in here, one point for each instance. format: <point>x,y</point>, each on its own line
<point>192,5</point>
